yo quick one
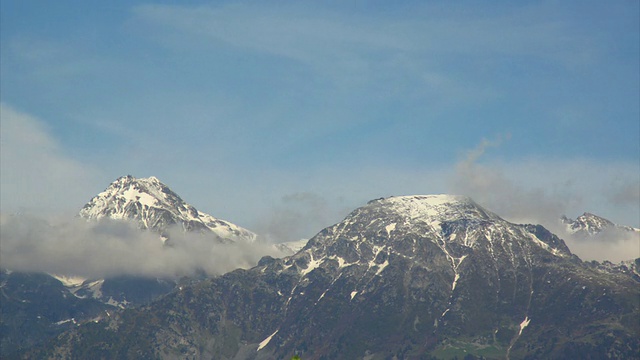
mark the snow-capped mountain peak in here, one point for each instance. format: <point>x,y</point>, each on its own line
<point>423,228</point>
<point>114,201</point>
<point>154,206</point>
<point>436,208</point>
<point>589,224</point>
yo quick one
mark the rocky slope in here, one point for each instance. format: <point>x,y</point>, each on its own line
<point>35,307</point>
<point>413,277</point>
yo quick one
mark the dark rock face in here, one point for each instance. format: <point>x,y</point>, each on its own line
<point>414,277</point>
<point>36,307</point>
<point>125,291</point>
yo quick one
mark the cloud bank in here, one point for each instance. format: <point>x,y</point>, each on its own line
<point>110,248</point>
<point>541,191</point>
<point>614,245</point>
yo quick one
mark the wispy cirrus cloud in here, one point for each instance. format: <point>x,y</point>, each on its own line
<point>382,56</point>
<point>321,35</point>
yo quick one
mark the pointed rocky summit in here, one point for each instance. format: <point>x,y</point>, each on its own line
<point>152,205</point>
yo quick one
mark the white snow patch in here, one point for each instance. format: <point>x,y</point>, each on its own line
<point>455,281</point>
<point>330,285</point>
<point>286,267</point>
<point>69,280</point>
<point>390,228</point>
<point>436,225</point>
<point>382,267</point>
<point>95,288</point>
<point>291,295</point>
<point>341,261</point>
<point>418,206</point>
<point>64,321</point>
<point>264,342</point>
<point>116,303</point>
<point>312,265</point>
<point>372,222</point>
<point>142,197</point>
<point>524,324</point>
<point>321,296</point>
<point>545,246</point>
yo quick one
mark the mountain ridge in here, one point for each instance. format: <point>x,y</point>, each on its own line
<point>410,277</point>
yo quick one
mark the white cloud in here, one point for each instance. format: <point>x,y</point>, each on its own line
<point>540,191</point>
<point>612,244</point>
<point>534,191</point>
<point>111,248</point>
<point>35,173</point>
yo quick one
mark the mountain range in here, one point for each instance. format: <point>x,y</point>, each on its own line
<point>408,277</point>
<point>152,206</point>
<point>37,306</point>
<point>412,277</point>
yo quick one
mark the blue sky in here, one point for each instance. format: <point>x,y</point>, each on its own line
<point>280,112</point>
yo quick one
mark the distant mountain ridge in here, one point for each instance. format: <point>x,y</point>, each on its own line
<point>152,205</point>
<point>423,276</point>
<point>589,224</point>
<point>410,277</point>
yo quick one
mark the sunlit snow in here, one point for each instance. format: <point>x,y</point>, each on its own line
<point>69,280</point>
<point>312,265</point>
<point>524,324</point>
<point>264,342</point>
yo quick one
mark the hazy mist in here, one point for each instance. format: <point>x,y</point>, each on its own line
<point>110,248</point>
